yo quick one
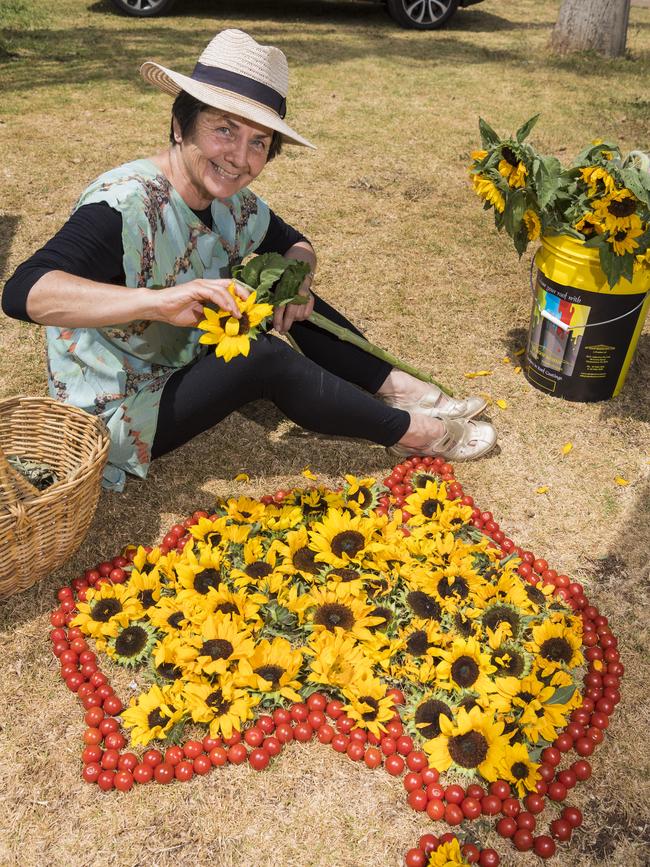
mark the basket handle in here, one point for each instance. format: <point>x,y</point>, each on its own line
<point>13,486</point>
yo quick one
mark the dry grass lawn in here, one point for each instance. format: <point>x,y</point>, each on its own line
<point>407,252</point>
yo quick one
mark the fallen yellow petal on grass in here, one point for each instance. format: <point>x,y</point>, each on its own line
<point>472,374</point>
<point>566,448</point>
<point>502,404</point>
<point>487,397</point>
<point>541,490</point>
<point>242,477</point>
<point>506,359</point>
<point>517,369</point>
<point>520,352</point>
<point>307,473</point>
<point>621,481</point>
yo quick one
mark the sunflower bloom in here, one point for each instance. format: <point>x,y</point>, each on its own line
<point>473,742</point>
<point>274,668</point>
<point>532,224</point>
<point>223,705</point>
<point>489,192</point>
<point>153,714</point>
<point>617,210</point>
<point>106,610</point>
<point>233,336</point>
<point>623,240</point>
<point>447,855</point>
<point>517,768</point>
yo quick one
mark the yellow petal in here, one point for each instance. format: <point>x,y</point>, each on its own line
<point>473,374</point>
<point>517,369</point>
<point>542,489</point>
<point>502,404</point>
<point>520,352</point>
<point>566,448</point>
<point>242,477</point>
<point>307,473</point>
<point>505,359</point>
<point>621,481</point>
<point>485,396</point>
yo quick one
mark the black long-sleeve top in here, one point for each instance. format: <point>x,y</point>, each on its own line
<point>89,245</point>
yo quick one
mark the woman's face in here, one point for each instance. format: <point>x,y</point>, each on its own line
<point>222,155</point>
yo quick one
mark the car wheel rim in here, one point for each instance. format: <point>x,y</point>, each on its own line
<point>425,11</point>
<point>143,5</point>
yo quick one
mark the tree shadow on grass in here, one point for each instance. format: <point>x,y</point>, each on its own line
<point>476,20</point>
<point>8,227</point>
<point>49,58</point>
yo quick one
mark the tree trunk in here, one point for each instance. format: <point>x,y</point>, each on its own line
<point>592,25</point>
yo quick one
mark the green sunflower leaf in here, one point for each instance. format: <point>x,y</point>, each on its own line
<point>562,695</point>
<point>488,136</point>
<point>633,181</point>
<point>524,130</point>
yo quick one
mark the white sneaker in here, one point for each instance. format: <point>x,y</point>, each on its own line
<point>453,409</point>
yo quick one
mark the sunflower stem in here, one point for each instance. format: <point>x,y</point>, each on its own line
<point>350,337</point>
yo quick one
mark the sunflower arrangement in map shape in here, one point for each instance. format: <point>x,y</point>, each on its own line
<point>270,602</point>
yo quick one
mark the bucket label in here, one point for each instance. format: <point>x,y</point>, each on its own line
<point>574,351</point>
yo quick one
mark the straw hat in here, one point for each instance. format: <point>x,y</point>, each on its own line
<point>235,74</point>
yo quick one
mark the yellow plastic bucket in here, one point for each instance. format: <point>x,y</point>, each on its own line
<point>582,334</point>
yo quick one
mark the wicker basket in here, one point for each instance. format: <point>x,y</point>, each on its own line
<point>39,530</point>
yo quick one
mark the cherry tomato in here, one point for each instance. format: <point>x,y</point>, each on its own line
<point>412,781</point>
<point>173,755</point>
<point>397,695</point>
<point>152,758</point>
<point>523,840</point>
<point>435,809</point>
<point>417,800</point>
<point>416,761</point>
<point>92,736</point>
<point>317,701</point>
<point>143,773</point>
<point>582,769</point>
<point>127,762</point>
<point>112,705</point>
<point>470,853</point>
<point>90,754</point>
<point>471,808</point>
<point>258,759</point>
<point>429,775</point>
<point>202,764</point>
<point>105,780</point>
<point>534,803</point>
<point>489,858</point>
<point>453,814</point>
<point>490,805</point>
<point>573,816</point>
<point>415,858</point>
<point>272,746</point>
<point>511,807</point>
<point>115,740</point>
<point>325,734</point>
<point>299,712</point>
<point>281,715</point>
<point>454,794</point>
<point>163,773</point>
<point>237,754</point>
<point>303,732</point>
<point>561,830</point>
<point>91,771</point>
<point>284,733</point>
<point>355,751</point>
<point>253,736</point>
<point>544,846</point>
<point>184,770</point>
<point>394,765</point>
<point>526,821</point>
<point>218,756</point>
<point>428,843</point>
<point>373,757</point>
<point>316,719</point>
<point>192,749</point>
<point>123,780</point>
<point>506,827</point>
<point>404,745</point>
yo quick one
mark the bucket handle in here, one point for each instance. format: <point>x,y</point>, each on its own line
<point>563,325</point>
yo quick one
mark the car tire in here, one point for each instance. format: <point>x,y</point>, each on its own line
<point>143,8</point>
<point>421,14</point>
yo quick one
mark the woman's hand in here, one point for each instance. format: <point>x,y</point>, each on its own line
<point>183,305</point>
<point>284,317</point>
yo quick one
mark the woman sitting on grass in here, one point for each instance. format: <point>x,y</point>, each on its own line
<point>122,287</point>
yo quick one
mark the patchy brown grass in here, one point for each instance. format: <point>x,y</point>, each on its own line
<point>406,251</point>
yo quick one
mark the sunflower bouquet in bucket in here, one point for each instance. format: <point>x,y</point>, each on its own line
<point>602,198</point>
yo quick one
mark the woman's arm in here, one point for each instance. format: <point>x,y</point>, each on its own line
<point>69,301</point>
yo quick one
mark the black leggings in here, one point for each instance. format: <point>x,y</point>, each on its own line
<point>320,390</point>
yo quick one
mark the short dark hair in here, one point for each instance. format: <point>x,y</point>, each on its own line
<point>186,109</point>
